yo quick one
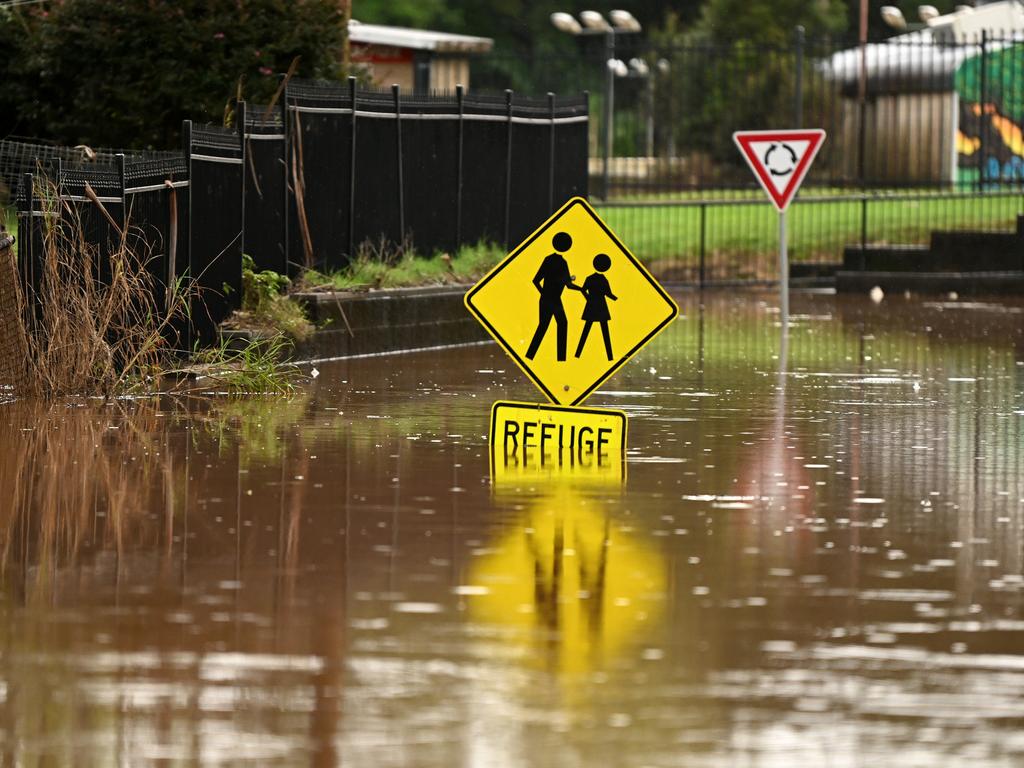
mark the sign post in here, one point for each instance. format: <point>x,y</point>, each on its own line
<point>779,161</point>
<point>783,270</point>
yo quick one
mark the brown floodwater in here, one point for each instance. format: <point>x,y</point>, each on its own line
<point>815,566</point>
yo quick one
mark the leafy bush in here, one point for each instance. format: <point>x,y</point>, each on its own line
<point>266,305</point>
<point>127,73</point>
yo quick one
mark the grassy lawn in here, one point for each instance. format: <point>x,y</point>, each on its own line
<point>818,231</point>
<point>468,265</point>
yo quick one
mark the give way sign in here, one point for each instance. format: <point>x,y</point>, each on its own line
<point>780,159</point>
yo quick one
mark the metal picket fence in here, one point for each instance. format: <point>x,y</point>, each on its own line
<point>148,199</point>
<point>924,133</point>
<point>307,182</point>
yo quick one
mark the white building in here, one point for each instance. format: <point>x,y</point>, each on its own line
<point>919,128</point>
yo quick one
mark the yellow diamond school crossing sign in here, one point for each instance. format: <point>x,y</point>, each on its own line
<point>571,304</point>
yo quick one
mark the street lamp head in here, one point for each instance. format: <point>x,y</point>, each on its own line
<point>624,21</point>
<point>564,22</point>
<point>618,67</point>
<point>639,67</point>
<point>594,20</point>
<point>893,16</point>
<point>927,13</point>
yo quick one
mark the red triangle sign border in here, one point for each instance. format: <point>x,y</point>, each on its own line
<point>781,200</point>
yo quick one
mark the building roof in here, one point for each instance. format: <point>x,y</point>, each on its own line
<point>417,39</point>
<point>927,59</point>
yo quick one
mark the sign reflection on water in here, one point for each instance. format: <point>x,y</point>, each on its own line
<point>572,583</point>
<point>577,589</point>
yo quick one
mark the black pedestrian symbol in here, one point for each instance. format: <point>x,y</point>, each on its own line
<point>551,279</point>
<point>597,290</point>
<point>782,167</point>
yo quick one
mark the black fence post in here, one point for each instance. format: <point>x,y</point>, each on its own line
<point>508,165</point>
<point>703,242</point>
<point>352,97</point>
<point>58,209</point>
<point>28,264</point>
<point>58,185</point>
<point>286,170</point>
<point>863,231</point>
<point>551,153</point>
<point>460,99</point>
<point>798,87</point>
<point>121,186</point>
<point>982,122</point>
<point>240,115</point>
<point>396,91</point>
<point>186,235</point>
<point>586,171</point>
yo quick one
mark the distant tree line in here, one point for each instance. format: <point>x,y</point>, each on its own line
<point>127,72</point>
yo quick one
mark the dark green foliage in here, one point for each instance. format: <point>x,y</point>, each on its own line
<point>735,68</point>
<point>260,287</point>
<point>127,73</point>
<point>767,22</point>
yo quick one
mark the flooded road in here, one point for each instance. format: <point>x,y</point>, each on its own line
<point>817,567</point>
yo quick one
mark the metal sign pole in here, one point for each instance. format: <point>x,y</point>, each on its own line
<point>783,274</point>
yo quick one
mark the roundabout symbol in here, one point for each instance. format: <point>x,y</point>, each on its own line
<point>781,166</point>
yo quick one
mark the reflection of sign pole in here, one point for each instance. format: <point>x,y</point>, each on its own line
<point>780,160</point>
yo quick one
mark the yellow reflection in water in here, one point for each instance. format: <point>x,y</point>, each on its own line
<point>577,585</point>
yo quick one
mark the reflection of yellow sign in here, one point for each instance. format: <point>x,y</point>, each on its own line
<point>577,587</point>
<point>537,443</point>
<point>571,304</point>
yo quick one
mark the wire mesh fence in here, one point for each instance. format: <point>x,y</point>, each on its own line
<point>925,133</point>
<point>18,157</point>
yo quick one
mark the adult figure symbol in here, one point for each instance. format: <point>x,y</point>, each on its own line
<point>551,279</point>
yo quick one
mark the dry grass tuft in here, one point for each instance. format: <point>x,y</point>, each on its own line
<point>96,330</point>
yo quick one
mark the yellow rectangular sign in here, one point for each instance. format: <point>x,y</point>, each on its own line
<point>533,442</point>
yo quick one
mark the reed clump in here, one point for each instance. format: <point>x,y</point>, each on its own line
<point>78,479</point>
<point>97,324</point>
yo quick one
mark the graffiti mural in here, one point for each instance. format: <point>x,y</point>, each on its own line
<point>990,133</point>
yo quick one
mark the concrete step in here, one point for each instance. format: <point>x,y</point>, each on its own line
<point>964,283</point>
<point>883,257</point>
<point>950,252</point>
<point>977,251</point>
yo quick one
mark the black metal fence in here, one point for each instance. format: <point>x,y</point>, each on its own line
<point>355,166</point>
<point>925,132</point>
<point>306,183</point>
<point>182,211</point>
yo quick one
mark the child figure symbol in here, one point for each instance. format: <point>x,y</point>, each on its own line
<point>597,290</point>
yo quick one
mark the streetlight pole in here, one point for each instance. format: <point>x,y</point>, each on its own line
<point>593,23</point>
<point>609,110</point>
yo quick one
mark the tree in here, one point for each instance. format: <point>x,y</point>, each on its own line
<point>768,22</point>
<point>734,69</point>
<point>127,73</point>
